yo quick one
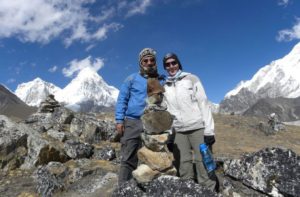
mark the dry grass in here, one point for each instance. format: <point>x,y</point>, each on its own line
<point>236,135</point>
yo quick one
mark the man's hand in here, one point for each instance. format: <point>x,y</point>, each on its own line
<point>120,128</point>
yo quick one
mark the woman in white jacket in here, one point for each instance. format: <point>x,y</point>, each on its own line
<point>193,123</point>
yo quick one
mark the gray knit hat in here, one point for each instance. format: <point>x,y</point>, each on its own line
<point>146,52</point>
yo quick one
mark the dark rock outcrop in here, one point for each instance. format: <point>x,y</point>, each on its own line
<point>75,178</point>
<point>167,186</point>
<point>13,143</point>
<point>49,179</point>
<point>105,153</point>
<point>273,171</point>
<point>76,150</point>
<point>287,109</point>
<point>238,103</point>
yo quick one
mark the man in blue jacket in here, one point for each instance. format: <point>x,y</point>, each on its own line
<point>129,108</point>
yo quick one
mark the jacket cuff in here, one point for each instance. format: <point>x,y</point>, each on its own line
<point>120,121</point>
<point>209,132</point>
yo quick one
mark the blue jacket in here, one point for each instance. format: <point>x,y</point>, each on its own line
<point>132,98</point>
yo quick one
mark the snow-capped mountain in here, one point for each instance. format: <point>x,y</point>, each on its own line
<point>34,92</point>
<point>88,92</point>
<point>281,78</point>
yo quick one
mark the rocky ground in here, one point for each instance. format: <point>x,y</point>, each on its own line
<point>66,154</point>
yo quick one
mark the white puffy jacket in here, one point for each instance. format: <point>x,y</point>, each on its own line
<point>186,100</point>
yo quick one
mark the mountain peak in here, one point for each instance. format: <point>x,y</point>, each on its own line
<point>296,48</point>
<point>38,80</point>
<point>87,73</point>
<point>35,91</point>
<point>88,91</point>
<point>281,78</point>
<point>282,74</point>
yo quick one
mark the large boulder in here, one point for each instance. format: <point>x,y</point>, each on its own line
<point>105,153</point>
<point>157,122</point>
<point>42,151</point>
<point>82,177</point>
<point>76,149</point>
<point>13,142</point>
<point>274,171</point>
<point>155,160</point>
<point>50,178</point>
<point>144,174</point>
<point>155,142</point>
<point>91,129</point>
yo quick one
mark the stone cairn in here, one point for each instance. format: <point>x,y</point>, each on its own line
<point>154,157</point>
<point>49,104</point>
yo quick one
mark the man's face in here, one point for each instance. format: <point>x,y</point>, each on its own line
<point>149,65</point>
<point>148,61</point>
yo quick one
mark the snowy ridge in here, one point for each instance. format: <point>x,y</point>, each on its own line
<point>34,92</point>
<point>280,78</point>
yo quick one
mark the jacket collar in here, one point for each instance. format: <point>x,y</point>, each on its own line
<point>181,76</point>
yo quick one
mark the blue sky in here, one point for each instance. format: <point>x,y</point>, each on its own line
<point>222,42</point>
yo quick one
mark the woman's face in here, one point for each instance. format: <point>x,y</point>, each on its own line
<point>171,66</point>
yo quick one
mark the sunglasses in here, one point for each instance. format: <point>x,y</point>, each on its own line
<point>168,64</point>
<point>151,60</point>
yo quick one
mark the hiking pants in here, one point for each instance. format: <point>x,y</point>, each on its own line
<point>186,150</point>
<point>130,143</point>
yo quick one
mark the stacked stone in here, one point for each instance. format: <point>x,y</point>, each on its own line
<point>154,156</point>
<point>49,104</point>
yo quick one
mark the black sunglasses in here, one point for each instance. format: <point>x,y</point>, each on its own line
<point>152,60</point>
<point>174,63</point>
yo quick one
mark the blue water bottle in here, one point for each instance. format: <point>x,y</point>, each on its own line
<point>207,158</point>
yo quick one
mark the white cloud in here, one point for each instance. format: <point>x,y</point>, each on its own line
<point>90,47</point>
<point>77,65</point>
<point>290,34</point>
<point>283,2</point>
<point>101,34</point>
<point>70,20</point>
<point>138,7</point>
<point>11,80</point>
<point>52,69</point>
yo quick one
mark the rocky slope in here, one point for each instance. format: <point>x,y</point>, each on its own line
<point>287,109</point>
<point>12,106</point>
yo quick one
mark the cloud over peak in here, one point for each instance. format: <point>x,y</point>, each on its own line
<point>76,66</point>
<point>290,34</point>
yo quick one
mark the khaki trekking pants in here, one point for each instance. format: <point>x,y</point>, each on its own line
<point>186,153</point>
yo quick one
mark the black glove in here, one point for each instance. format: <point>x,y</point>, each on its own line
<point>209,140</point>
